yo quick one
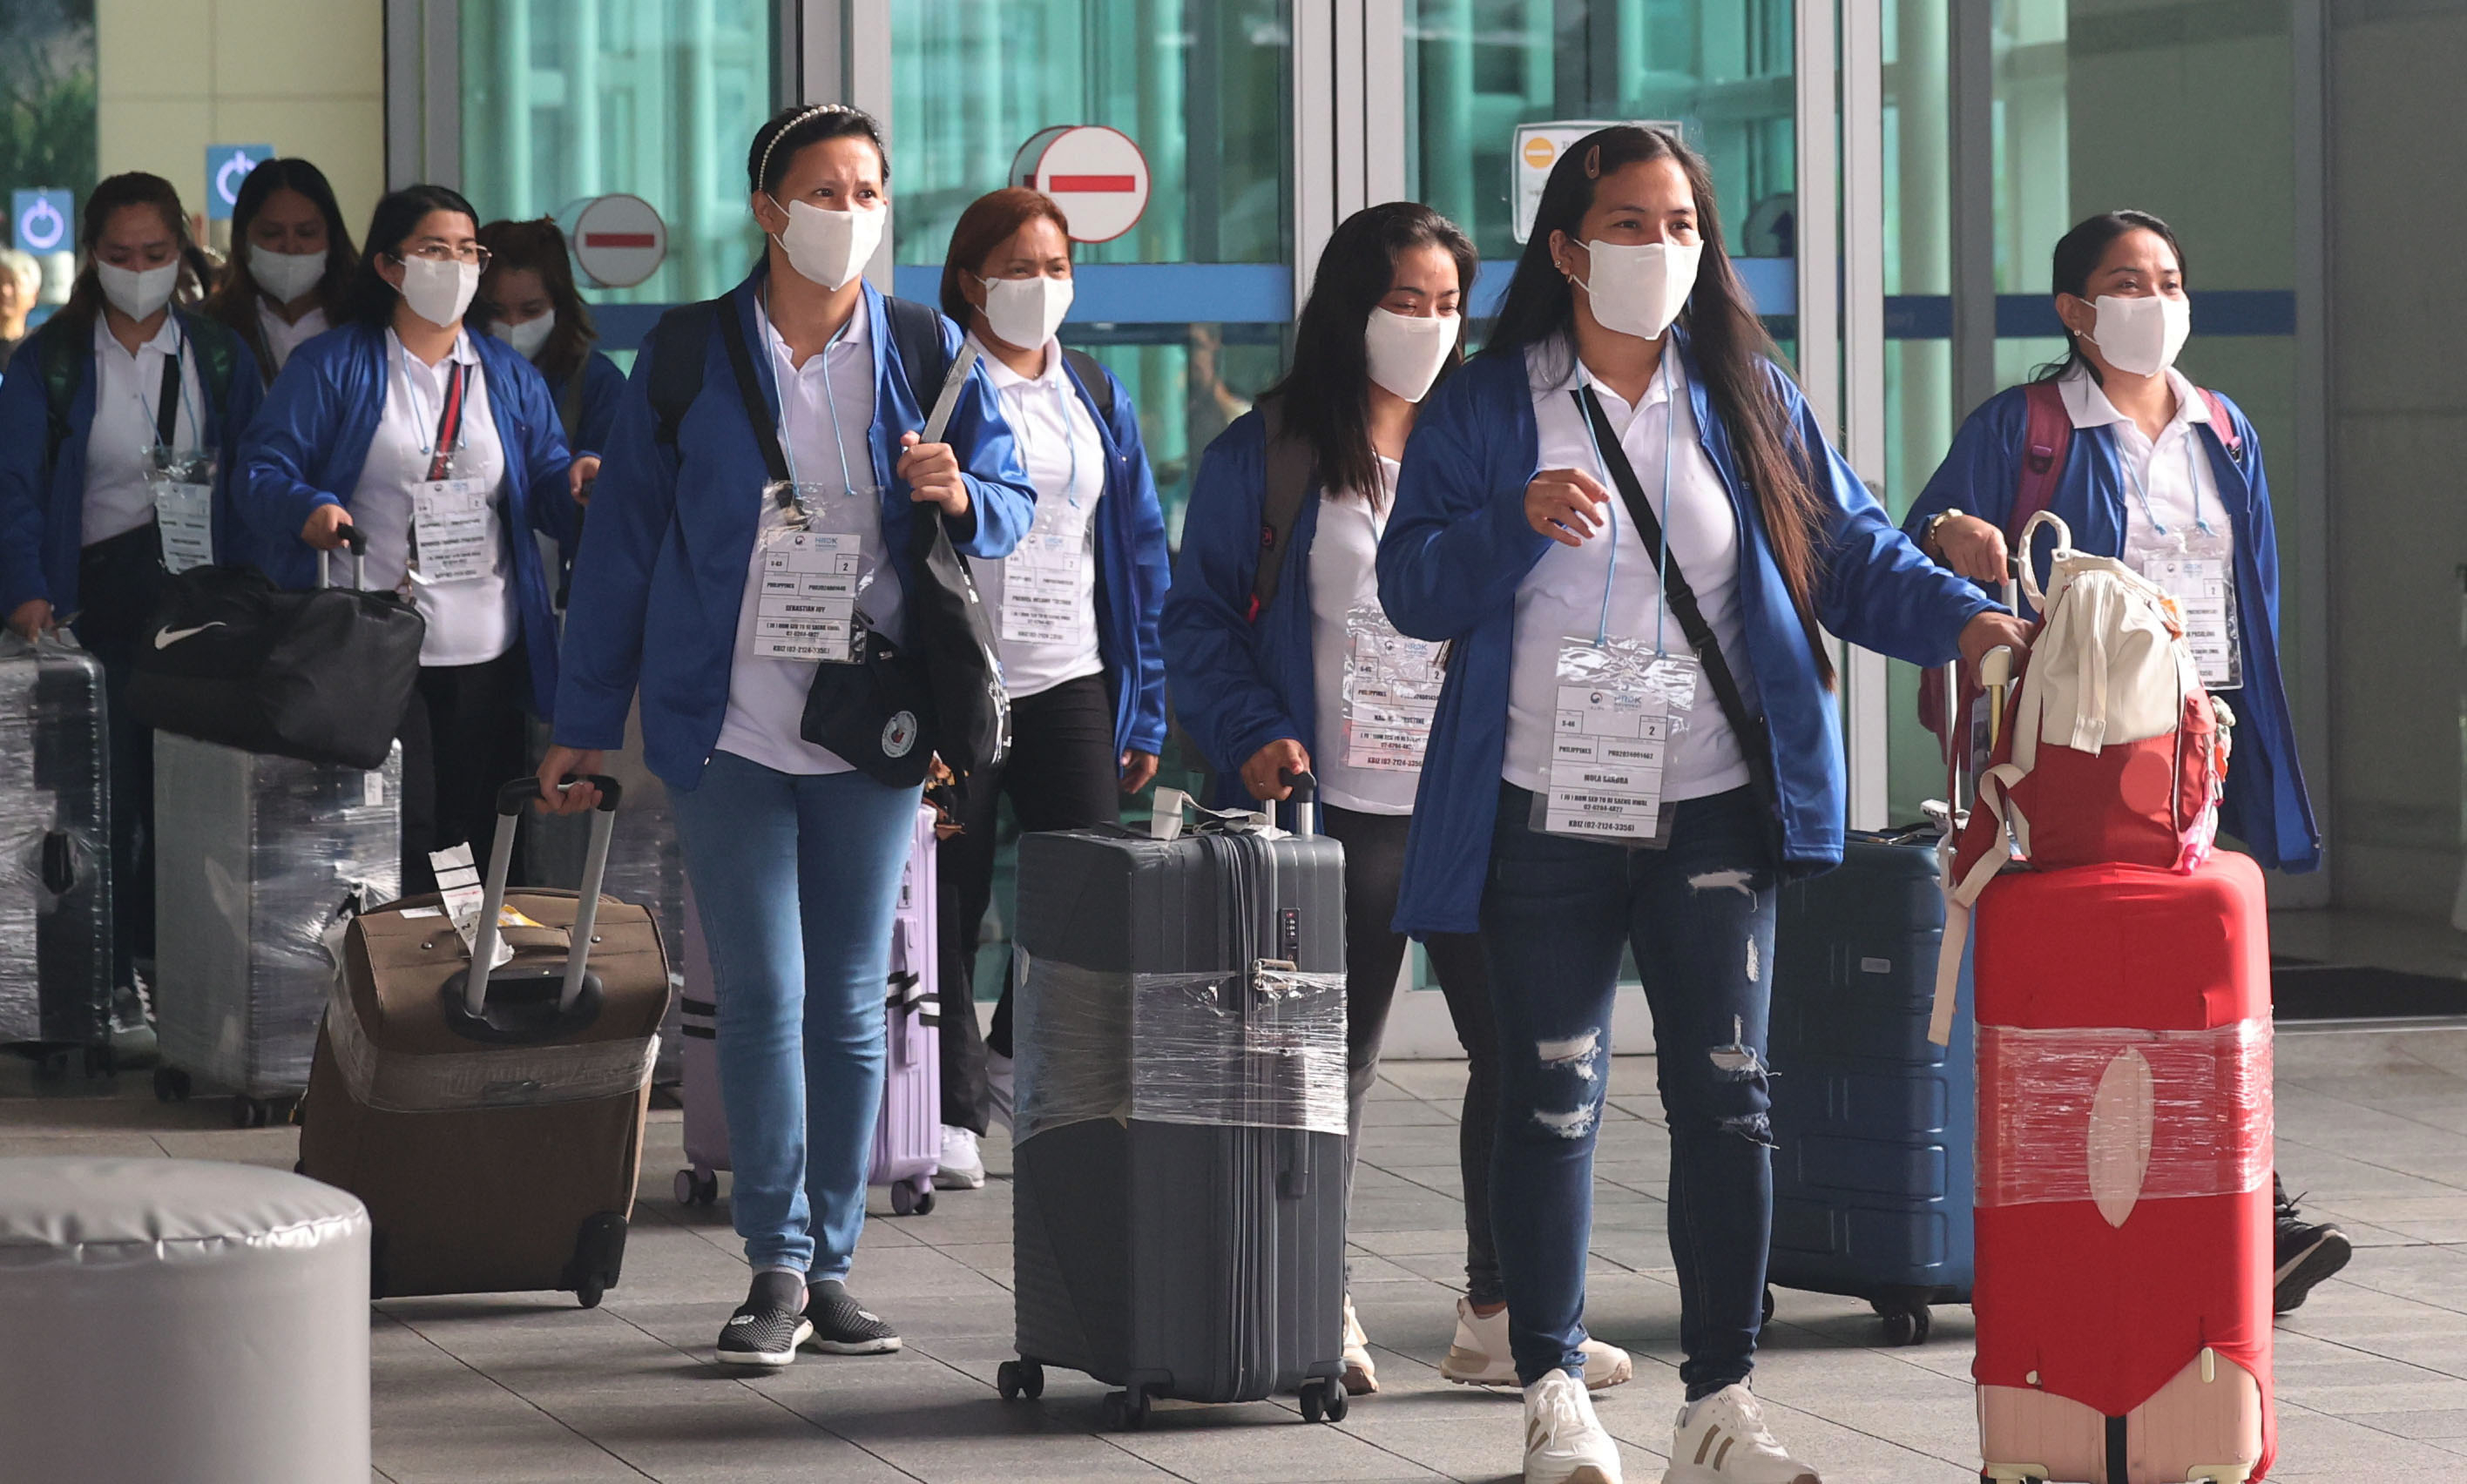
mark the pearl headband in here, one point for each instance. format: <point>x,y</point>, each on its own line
<point>762,171</point>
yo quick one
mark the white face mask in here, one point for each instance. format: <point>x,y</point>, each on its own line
<point>1407,350</point>
<point>138,293</point>
<point>831,248</point>
<point>1638,290</point>
<point>2140,335</point>
<point>438,289</point>
<point>528,336</point>
<point>285,276</point>
<point>1026,312</point>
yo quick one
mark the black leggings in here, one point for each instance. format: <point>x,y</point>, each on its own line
<point>1374,866</point>
<point>1063,774</point>
<point>463,736</point>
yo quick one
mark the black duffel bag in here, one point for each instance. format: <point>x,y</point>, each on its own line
<point>322,676</point>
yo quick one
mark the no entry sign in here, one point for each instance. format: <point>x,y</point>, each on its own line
<point>618,241</point>
<point>1096,174</point>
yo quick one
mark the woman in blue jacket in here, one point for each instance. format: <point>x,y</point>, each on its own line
<point>795,855</point>
<point>119,427</point>
<point>443,447</point>
<point>1297,685</point>
<point>1074,609</point>
<point>2151,477</point>
<point>1638,741</point>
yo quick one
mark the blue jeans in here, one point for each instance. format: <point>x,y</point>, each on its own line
<point>1700,916</point>
<point>796,878</point>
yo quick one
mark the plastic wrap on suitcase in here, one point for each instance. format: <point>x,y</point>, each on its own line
<point>1262,1049</point>
<point>258,857</point>
<point>54,845</point>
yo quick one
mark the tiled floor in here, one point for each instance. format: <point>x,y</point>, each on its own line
<point>2372,1374</point>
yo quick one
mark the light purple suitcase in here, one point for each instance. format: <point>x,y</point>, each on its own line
<point>908,1134</point>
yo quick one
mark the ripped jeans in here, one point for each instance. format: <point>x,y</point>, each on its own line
<point>1555,912</point>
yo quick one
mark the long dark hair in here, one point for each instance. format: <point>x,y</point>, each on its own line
<point>2077,256</point>
<point>1326,396</point>
<point>1726,344</point>
<point>234,301</point>
<point>370,300</point>
<point>541,247</point>
<point>135,187</point>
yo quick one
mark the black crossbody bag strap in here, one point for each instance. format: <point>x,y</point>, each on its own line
<point>167,403</point>
<point>758,408</point>
<point>1754,745</point>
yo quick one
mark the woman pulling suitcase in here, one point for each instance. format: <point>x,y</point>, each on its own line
<point>292,262</point>
<point>794,852</point>
<point>1627,523</point>
<point>2167,477</point>
<point>119,423</point>
<point>1073,607</point>
<point>1310,675</point>
<point>443,446</point>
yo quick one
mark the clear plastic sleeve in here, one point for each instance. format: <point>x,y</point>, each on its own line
<point>2115,1115</point>
<point>55,843</point>
<point>1261,1048</point>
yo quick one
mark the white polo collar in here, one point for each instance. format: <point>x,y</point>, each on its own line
<point>2086,402</point>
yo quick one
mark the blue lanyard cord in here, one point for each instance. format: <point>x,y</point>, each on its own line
<point>2141,484</point>
<point>1661,613</point>
<point>1064,397</point>
<point>839,444</point>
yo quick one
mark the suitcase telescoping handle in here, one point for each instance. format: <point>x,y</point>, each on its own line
<point>357,540</point>
<point>1304,800</point>
<point>511,801</point>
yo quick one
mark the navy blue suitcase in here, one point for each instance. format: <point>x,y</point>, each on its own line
<point>1872,1126</point>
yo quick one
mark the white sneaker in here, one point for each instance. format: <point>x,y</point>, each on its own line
<point>998,1084</point>
<point>1564,1441</point>
<point>960,1167</point>
<point>1478,1357</point>
<point>1722,1439</point>
<point>1361,1377</point>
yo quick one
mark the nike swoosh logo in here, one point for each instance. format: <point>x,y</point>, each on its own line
<point>167,637</point>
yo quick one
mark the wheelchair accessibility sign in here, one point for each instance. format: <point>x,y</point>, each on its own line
<point>226,167</point>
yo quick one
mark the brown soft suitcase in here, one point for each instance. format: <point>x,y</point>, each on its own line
<point>494,1140</point>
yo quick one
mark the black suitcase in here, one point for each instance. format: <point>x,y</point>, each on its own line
<point>55,886</point>
<point>1179,1196</point>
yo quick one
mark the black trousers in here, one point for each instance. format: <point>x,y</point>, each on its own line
<point>1063,774</point>
<point>120,579</point>
<point>463,737</point>
<point>1375,867</point>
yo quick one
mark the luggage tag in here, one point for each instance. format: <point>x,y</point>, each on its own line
<point>1622,702</point>
<point>1390,690</point>
<point>1041,578</point>
<point>1165,818</point>
<point>458,883</point>
<point>182,485</point>
<point>814,570</point>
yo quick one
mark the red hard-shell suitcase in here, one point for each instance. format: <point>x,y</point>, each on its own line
<point>2124,1160</point>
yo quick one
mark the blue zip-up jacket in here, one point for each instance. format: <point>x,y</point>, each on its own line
<point>42,510</point>
<point>664,554</point>
<point>309,442</point>
<point>1133,569</point>
<point>1239,684</point>
<point>1459,545</point>
<point>603,387</point>
<point>2266,804</point>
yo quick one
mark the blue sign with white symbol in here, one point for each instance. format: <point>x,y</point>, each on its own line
<point>226,167</point>
<point>43,221</point>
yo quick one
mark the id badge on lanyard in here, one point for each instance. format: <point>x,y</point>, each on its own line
<point>1041,580</point>
<point>183,489</point>
<point>1392,692</point>
<point>2203,588</point>
<point>1622,705</point>
<point>814,570</point>
<point>453,527</point>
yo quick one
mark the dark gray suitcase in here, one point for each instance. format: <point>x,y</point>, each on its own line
<point>1179,1196</point>
<point>54,849</point>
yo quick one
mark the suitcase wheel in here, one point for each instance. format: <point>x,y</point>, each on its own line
<point>697,1188</point>
<point>1324,1399</point>
<point>1018,1379</point>
<point>1769,1303</point>
<point>248,1113</point>
<point>1904,1325</point>
<point>912,1198</point>
<point>1126,1411</point>
<point>170,1085</point>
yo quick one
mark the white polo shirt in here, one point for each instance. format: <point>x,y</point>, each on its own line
<point>1065,459</point>
<point>2170,491</point>
<point>281,338</point>
<point>126,387</point>
<point>471,622</point>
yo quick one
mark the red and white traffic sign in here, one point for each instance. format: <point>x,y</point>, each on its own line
<point>1096,174</point>
<point>618,241</point>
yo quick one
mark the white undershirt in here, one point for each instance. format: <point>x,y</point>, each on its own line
<point>472,621</point>
<point>2168,483</point>
<point>280,338</point>
<point>766,697</point>
<point>1562,596</point>
<point>1342,579</point>
<point>117,498</point>
<point>1065,459</point>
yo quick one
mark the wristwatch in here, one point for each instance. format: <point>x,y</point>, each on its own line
<point>1927,532</point>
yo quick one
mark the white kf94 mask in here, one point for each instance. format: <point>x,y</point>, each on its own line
<point>2140,335</point>
<point>1639,289</point>
<point>1026,312</point>
<point>831,248</point>
<point>1407,350</point>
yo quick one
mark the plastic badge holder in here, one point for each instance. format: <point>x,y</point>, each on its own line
<point>1623,703</point>
<point>815,570</point>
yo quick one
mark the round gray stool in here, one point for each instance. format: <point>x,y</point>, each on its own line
<point>180,1319</point>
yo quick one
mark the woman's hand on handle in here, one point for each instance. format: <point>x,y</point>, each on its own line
<point>1975,548</point>
<point>1994,629</point>
<point>32,619</point>
<point>1566,506</point>
<point>579,476</point>
<point>1139,770</point>
<point>324,529</point>
<point>561,763</point>
<point>1264,773</point>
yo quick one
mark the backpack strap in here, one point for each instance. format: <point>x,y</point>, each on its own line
<point>216,346</point>
<point>1286,485</point>
<point>64,358</point>
<point>569,400</point>
<point>916,330</point>
<point>679,343</point>
<point>1092,376</point>
<point>2222,424</point>
<point>2045,443</point>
